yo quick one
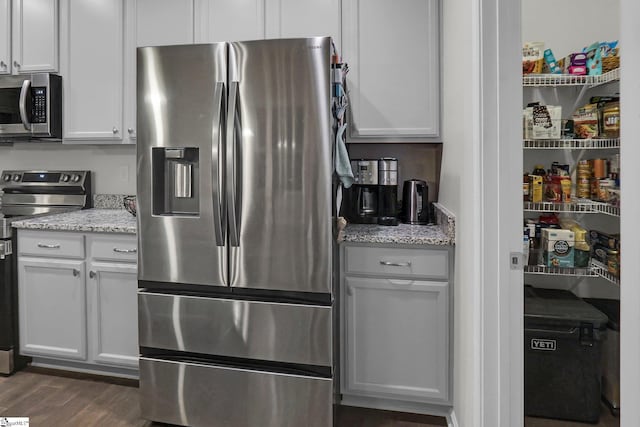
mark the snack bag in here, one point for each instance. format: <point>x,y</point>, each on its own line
<point>585,122</point>
<point>594,59</point>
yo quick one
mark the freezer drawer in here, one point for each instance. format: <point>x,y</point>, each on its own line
<point>291,333</point>
<point>208,395</point>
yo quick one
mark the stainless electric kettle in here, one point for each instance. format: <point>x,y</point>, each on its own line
<point>415,202</point>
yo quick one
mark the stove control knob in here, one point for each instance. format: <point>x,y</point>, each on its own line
<point>65,178</point>
<point>16,177</point>
<point>6,177</point>
<point>75,178</point>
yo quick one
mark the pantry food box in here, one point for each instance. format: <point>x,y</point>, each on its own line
<point>558,247</point>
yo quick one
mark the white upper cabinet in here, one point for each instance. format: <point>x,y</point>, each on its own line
<point>394,82</point>
<point>92,67</point>
<point>163,22</point>
<point>151,23</point>
<point>5,36</point>
<point>35,36</point>
<point>303,18</point>
<point>229,20</point>
<point>29,28</point>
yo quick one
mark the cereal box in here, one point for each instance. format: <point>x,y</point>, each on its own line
<point>558,247</point>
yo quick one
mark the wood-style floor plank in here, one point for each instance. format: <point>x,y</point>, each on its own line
<point>53,398</point>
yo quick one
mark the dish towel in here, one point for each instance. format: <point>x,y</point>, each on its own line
<point>343,164</point>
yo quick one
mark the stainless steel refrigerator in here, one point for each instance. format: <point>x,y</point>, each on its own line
<point>235,267</point>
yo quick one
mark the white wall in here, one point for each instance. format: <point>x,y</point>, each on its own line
<point>630,252</point>
<point>113,167</point>
<point>550,21</point>
<point>457,190</point>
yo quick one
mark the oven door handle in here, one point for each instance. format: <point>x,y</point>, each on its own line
<point>26,85</point>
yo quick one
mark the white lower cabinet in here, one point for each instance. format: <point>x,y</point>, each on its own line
<point>396,329</point>
<point>51,295</point>
<point>82,310</point>
<point>111,295</point>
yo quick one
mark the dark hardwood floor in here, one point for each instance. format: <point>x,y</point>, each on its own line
<point>54,398</point>
<point>606,420</point>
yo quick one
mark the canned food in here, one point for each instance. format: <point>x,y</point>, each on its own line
<point>599,168</point>
<point>613,263</point>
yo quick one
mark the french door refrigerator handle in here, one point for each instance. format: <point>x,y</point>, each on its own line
<point>217,158</point>
<point>26,85</point>
<point>234,134</point>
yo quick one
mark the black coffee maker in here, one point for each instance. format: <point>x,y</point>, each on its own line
<point>372,199</point>
<point>388,191</point>
<point>361,200</point>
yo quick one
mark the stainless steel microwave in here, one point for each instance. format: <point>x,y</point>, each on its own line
<point>31,106</point>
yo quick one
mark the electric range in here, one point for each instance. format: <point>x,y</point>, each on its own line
<point>27,194</point>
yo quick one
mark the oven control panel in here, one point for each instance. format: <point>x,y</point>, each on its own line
<point>43,178</point>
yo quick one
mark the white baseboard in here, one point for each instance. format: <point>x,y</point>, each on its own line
<point>85,368</point>
<point>452,421</point>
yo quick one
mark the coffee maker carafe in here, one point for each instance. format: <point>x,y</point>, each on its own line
<point>362,198</point>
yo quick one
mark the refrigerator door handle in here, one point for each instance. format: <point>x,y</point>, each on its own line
<point>217,165</point>
<point>234,135</point>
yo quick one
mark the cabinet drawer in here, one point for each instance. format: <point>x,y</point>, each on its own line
<point>204,394</point>
<point>279,332</point>
<point>51,244</point>
<point>114,248</point>
<point>431,263</point>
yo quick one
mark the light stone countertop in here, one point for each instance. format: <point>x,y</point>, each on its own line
<point>443,233</point>
<point>88,220</point>
<point>401,234</point>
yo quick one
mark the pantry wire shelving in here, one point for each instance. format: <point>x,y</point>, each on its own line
<point>594,270</point>
<point>602,271</point>
<point>560,271</point>
<point>554,80</point>
<point>579,206</point>
<point>571,144</point>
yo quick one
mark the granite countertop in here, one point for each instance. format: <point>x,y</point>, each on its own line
<point>88,220</point>
<point>401,234</point>
<point>442,233</point>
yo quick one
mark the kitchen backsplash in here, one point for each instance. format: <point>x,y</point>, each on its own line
<point>419,161</point>
<point>108,201</point>
<point>113,166</point>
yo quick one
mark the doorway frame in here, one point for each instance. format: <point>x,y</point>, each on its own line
<point>502,365</point>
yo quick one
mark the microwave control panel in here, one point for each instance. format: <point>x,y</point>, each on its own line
<point>39,105</point>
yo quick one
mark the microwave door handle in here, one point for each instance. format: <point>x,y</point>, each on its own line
<point>26,85</point>
<point>233,141</point>
<point>217,165</point>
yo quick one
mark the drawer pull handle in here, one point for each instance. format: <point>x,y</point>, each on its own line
<point>125,251</point>
<point>92,274</point>
<point>396,264</point>
<point>45,246</point>
<point>76,272</point>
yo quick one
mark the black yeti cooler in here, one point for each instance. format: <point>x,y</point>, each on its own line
<point>562,355</point>
<point>610,352</point>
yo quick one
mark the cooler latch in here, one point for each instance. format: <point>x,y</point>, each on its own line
<point>586,334</point>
